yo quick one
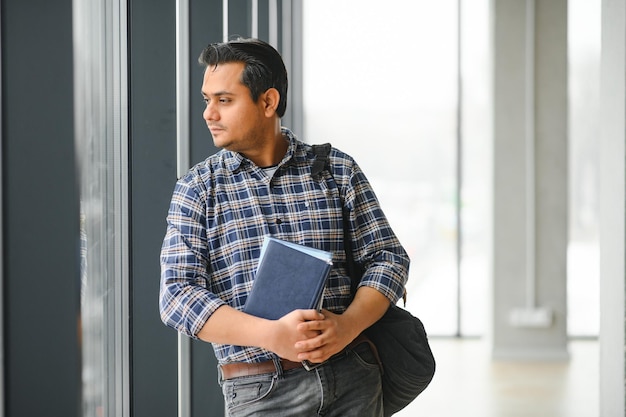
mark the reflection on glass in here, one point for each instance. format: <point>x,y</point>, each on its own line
<point>91,155</point>
<point>98,142</point>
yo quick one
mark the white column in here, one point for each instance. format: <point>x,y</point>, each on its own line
<point>530,179</point>
<point>612,209</point>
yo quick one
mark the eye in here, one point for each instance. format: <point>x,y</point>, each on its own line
<point>225,100</point>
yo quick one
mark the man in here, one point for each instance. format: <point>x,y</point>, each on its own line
<point>260,184</point>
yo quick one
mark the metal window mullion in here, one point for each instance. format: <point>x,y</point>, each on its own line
<point>286,53</point>
<point>183,159</point>
<point>224,20</point>
<point>254,24</point>
<point>117,39</point>
<point>273,23</point>
<point>182,87</point>
<point>459,167</point>
<point>291,24</point>
<point>2,368</point>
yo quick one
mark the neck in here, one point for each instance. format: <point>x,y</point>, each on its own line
<point>272,150</point>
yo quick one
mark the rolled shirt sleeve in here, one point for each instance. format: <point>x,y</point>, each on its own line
<point>185,301</point>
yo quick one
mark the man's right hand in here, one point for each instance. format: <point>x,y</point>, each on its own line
<point>233,327</point>
<point>285,334</point>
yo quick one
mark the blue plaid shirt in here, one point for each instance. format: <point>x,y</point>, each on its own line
<point>222,209</point>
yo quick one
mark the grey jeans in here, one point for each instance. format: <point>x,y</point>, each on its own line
<point>347,385</point>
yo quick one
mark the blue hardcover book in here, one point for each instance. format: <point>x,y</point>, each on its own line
<point>289,277</point>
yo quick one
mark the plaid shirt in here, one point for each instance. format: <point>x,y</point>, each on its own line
<point>223,208</point>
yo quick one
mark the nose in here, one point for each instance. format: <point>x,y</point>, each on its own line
<point>210,113</point>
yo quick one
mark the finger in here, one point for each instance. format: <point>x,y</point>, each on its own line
<point>311,334</point>
<point>308,334</point>
<point>311,326</point>
<point>315,356</point>
<point>310,344</point>
<point>311,315</point>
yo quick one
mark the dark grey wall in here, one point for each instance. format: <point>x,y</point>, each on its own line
<point>40,211</point>
<point>152,83</point>
<point>205,26</point>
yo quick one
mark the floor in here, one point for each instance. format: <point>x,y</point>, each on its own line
<point>469,383</point>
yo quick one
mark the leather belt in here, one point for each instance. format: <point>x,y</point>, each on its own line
<point>239,369</point>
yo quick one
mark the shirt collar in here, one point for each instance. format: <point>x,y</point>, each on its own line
<point>234,160</point>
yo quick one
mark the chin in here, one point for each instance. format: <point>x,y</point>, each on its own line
<point>221,143</point>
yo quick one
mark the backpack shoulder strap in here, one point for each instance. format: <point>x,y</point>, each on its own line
<point>354,271</point>
<point>321,153</point>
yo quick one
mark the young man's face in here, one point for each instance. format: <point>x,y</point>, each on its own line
<point>236,122</point>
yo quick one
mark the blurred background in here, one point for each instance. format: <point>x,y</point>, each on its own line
<point>491,130</point>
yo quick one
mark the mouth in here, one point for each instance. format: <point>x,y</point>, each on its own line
<point>216,129</point>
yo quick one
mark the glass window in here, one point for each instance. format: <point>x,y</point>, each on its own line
<point>584,41</point>
<point>380,83</point>
<point>101,144</point>
<point>475,156</point>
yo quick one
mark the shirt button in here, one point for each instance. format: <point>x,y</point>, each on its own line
<point>278,221</point>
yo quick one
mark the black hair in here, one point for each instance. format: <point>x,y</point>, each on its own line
<point>264,67</point>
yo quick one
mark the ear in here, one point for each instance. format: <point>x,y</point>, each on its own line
<point>270,101</point>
